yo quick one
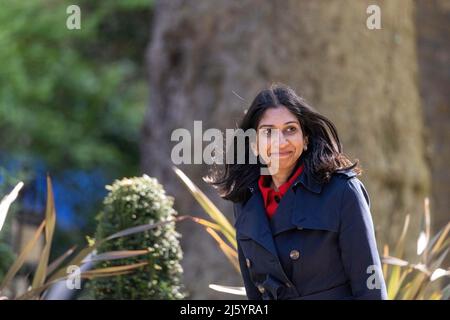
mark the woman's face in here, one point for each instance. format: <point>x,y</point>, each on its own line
<point>279,138</point>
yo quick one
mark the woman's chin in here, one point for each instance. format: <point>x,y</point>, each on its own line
<point>282,164</point>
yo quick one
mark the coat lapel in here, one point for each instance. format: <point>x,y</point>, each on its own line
<point>282,219</point>
<point>253,221</point>
<point>308,180</point>
<point>288,214</point>
<point>305,186</point>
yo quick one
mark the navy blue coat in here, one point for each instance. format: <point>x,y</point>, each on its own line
<point>320,244</point>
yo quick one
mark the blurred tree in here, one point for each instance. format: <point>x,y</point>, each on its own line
<point>433,29</point>
<point>72,101</point>
<point>204,54</point>
<point>73,97</point>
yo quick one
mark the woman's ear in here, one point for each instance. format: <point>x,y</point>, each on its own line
<point>305,144</point>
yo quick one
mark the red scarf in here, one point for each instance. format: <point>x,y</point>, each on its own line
<point>271,197</point>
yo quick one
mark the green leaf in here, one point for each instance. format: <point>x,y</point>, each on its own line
<point>114,255</point>
<point>229,252</point>
<point>58,261</point>
<point>226,228</point>
<point>7,201</point>
<point>142,228</point>
<point>50,218</point>
<point>108,270</point>
<point>22,256</point>
<point>239,291</point>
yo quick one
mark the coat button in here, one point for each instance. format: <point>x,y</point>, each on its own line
<point>248,262</point>
<point>294,254</point>
<point>288,285</point>
<point>261,288</point>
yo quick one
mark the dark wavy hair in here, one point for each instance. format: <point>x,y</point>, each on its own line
<point>323,157</point>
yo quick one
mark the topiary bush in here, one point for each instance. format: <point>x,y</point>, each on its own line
<point>132,202</point>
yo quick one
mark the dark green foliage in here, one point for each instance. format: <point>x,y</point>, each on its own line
<point>6,259</point>
<point>73,98</point>
<point>133,202</point>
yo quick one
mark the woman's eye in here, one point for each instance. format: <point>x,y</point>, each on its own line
<point>291,129</point>
<point>267,132</point>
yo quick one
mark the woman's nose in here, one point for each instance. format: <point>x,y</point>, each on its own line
<point>279,141</point>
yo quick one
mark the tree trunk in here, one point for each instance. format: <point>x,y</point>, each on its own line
<point>204,54</point>
<point>433,28</point>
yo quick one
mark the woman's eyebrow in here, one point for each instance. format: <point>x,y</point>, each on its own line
<point>271,125</point>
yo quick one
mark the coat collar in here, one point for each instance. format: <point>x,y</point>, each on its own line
<point>253,222</point>
<point>306,178</point>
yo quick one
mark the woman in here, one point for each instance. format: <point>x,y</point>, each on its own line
<point>304,231</point>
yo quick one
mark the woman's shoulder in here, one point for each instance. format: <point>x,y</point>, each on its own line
<point>346,183</point>
<point>345,173</point>
<point>345,177</point>
<point>349,185</point>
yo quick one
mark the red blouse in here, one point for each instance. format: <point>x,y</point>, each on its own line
<point>271,197</point>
